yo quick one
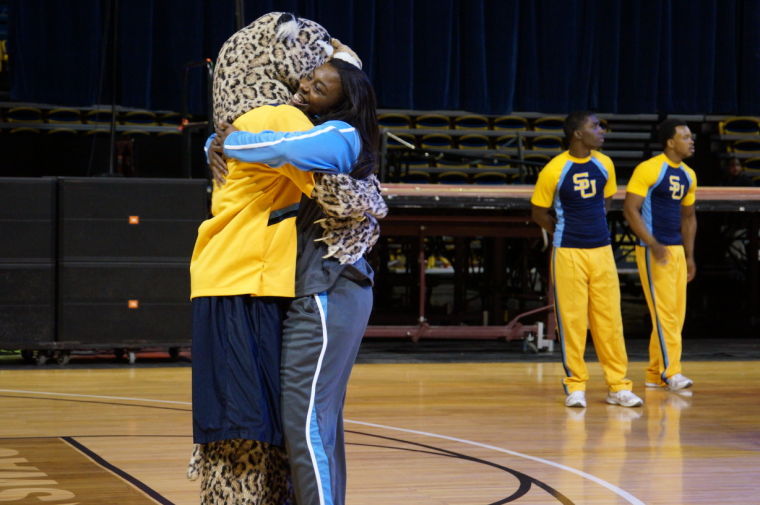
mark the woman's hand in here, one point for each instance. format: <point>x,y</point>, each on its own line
<point>216,161</point>
<point>216,158</point>
<point>223,130</point>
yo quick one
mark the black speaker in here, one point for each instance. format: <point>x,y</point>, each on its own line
<point>124,248</point>
<point>113,219</point>
<point>27,262</point>
<point>126,303</point>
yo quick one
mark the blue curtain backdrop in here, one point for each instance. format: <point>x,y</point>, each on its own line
<point>491,56</point>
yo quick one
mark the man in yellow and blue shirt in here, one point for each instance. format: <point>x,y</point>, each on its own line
<point>578,184</point>
<point>659,207</point>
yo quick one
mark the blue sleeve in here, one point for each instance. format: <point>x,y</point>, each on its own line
<point>331,147</point>
<point>208,144</point>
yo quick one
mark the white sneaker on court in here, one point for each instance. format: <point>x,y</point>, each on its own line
<point>576,399</point>
<point>624,398</point>
<point>679,381</point>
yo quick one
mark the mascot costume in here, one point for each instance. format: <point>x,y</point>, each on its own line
<point>257,66</point>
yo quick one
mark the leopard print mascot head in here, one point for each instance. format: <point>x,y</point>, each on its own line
<point>262,63</point>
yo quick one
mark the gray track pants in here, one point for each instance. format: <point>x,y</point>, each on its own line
<point>321,338</point>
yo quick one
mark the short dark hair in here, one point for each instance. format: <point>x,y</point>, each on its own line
<point>574,121</point>
<point>667,129</point>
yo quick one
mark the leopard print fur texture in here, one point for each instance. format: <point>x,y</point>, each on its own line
<point>241,472</point>
<point>352,207</point>
<point>262,63</point>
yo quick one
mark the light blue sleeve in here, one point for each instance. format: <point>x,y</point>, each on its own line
<point>331,147</point>
<point>208,145</point>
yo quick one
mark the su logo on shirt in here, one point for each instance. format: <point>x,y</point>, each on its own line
<point>676,188</point>
<point>586,187</point>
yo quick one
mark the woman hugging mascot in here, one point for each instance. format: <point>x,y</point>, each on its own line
<point>260,65</point>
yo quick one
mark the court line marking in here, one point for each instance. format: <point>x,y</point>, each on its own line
<point>115,471</point>
<point>92,396</point>
<point>611,487</point>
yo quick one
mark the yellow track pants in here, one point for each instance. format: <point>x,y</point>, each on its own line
<point>587,294</point>
<point>665,290</point>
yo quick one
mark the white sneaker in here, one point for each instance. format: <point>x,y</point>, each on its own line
<point>624,398</point>
<point>576,399</point>
<point>679,381</point>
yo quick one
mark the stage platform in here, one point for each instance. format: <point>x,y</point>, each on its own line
<point>429,210</point>
<point>517,197</point>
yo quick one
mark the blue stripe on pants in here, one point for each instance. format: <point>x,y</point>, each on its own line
<point>316,447</point>
<point>319,349</point>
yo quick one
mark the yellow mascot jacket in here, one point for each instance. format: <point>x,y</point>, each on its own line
<point>249,246</point>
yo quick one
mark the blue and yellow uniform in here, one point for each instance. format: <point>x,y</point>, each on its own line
<point>584,275</point>
<point>666,187</point>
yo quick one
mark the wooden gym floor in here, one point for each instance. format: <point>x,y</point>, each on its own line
<point>419,434</point>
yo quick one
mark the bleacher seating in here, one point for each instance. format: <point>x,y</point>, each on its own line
<point>24,114</point>
<point>394,120</point>
<point>492,178</point>
<point>473,141</point>
<point>512,123</point>
<point>507,141</point>
<point>549,124</point>
<point>752,163</point>
<point>148,141</point>
<point>530,139</point>
<point>547,143</point>
<point>740,124</point>
<point>471,122</point>
<point>436,141</point>
<point>488,149</point>
<point>169,119</point>
<point>98,116</point>
<point>746,146</point>
<point>64,115</point>
<point>433,121</point>
<point>754,174</point>
<point>736,137</point>
<point>139,117</point>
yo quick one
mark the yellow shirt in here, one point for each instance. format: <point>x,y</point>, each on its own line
<point>249,246</point>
